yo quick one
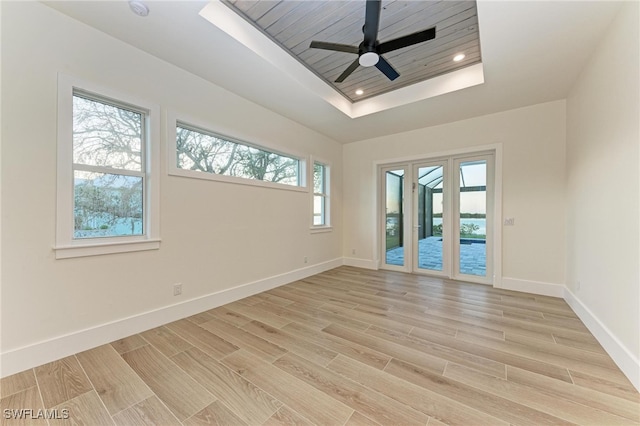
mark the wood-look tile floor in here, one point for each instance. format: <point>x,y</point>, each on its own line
<point>346,347</point>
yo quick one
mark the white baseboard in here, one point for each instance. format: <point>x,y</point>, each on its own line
<point>533,287</point>
<point>17,360</point>
<point>360,263</point>
<point>623,357</point>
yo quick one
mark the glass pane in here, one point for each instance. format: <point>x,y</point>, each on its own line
<point>394,218</point>
<point>430,209</point>
<point>473,218</point>
<point>206,153</point>
<point>318,210</point>
<point>105,135</point>
<point>318,178</point>
<point>473,173</point>
<point>430,176</point>
<point>107,205</point>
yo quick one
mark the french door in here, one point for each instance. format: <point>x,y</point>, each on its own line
<point>438,217</point>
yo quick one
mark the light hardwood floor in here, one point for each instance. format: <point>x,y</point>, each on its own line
<point>346,347</point>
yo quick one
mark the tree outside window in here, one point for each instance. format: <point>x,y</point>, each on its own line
<point>108,168</point>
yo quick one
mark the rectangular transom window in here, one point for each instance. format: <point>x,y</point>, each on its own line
<point>320,194</point>
<point>108,188</point>
<point>205,152</point>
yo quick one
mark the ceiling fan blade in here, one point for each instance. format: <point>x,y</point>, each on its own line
<point>334,46</point>
<point>351,68</point>
<point>387,69</point>
<point>406,41</point>
<point>371,22</point>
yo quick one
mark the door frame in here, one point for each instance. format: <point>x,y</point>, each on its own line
<point>379,203</point>
<point>456,162</point>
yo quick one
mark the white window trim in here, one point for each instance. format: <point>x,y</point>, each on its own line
<point>172,121</point>
<point>315,229</point>
<point>66,246</point>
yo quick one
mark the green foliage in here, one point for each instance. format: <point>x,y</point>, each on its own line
<point>468,228</point>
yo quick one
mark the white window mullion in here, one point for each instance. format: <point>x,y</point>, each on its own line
<point>108,170</point>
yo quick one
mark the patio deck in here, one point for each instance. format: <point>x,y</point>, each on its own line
<point>473,256</point>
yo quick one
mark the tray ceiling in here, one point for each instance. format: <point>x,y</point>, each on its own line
<point>294,24</point>
<point>532,52</point>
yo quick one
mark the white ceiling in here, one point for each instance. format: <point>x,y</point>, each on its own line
<point>532,52</point>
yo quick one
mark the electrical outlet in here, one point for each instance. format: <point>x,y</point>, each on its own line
<point>177,289</point>
<point>353,251</point>
<point>510,221</point>
<point>306,259</point>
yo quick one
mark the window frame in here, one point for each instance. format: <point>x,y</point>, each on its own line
<point>174,120</point>
<point>66,245</point>
<point>326,226</point>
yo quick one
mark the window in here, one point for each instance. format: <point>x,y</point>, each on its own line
<point>201,153</point>
<point>320,194</point>
<point>108,168</point>
<point>105,196</point>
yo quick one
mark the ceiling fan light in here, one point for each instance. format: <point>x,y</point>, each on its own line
<point>368,59</point>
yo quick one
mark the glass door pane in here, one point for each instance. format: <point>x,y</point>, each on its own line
<point>436,217</point>
<point>394,217</point>
<point>429,213</point>
<point>472,218</point>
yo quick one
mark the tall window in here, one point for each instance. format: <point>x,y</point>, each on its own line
<point>320,194</point>
<point>205,152</point>
<point>108,168</point>
<point>108,194</point>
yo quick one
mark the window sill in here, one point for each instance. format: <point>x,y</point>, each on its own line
<point>97,249</point>
<point>321,229</point>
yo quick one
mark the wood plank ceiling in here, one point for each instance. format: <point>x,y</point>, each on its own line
<point>293,24</point>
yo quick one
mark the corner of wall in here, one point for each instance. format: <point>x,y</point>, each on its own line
<point>627,361</point>
<point>533,287</point>
<point>360,263</point>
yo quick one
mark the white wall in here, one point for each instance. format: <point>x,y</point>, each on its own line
<point>603,215</point>
<point>215,236</point>
<point>533,140</point>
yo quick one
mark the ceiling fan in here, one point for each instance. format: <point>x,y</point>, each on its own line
<point>370,50</point>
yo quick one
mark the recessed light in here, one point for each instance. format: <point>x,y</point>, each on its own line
<point>359,92</point>
<point>139,8</point>
<point>458,57</point>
